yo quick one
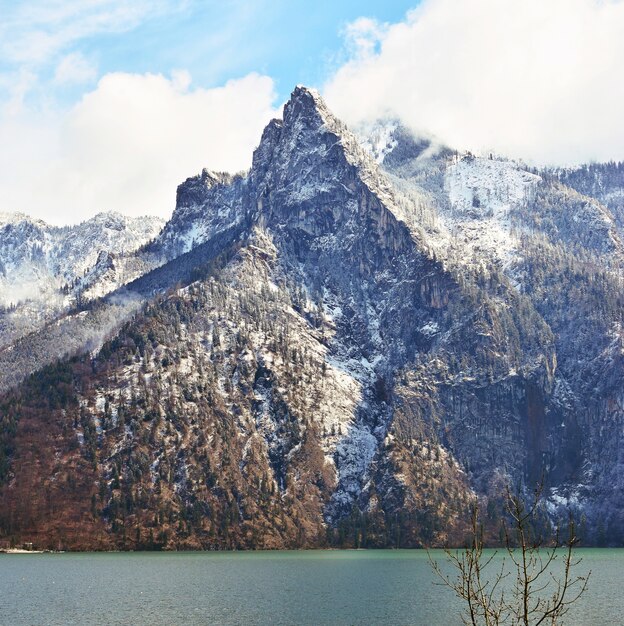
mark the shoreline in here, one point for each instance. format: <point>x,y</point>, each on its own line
<point>276,550</point>
<point>22,551</point>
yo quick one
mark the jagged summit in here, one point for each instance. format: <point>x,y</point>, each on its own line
<point>112,219</point>
<point>307,93</point>
<point>304,103</point>
<point>307,111</point>
<point>8,217</point>
<point>309,154</point>
<point>300,88</point>
<point>307,102</point>
<point>193,189</point>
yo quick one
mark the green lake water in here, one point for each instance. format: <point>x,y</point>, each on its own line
<point>391,587</point>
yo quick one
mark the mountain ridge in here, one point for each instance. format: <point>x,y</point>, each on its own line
<point>328,350</point>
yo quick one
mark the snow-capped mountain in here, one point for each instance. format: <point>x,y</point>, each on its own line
<point>341,346</point>
<point>45,270</point>
<point>38,260</point>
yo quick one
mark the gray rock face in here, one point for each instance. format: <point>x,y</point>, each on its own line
<point>602,181</point>
<point>559,247</point>
<point>206,205</point>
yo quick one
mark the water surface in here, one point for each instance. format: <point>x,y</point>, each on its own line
<point>384,587</point>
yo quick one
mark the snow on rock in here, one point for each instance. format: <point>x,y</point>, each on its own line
<point>46,270</point>
<point>480,187</point>
<point>38,260</point>
<point>481,193</point>
<point>206,205</point>
<point>378,138</point>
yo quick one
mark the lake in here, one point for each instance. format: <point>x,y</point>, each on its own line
<point>391,587</point>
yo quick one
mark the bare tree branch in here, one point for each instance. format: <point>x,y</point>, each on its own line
<point>539,594</point>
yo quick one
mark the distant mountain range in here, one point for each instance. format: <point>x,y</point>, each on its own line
<point>340,347</point>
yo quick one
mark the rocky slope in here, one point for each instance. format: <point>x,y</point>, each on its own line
<point>340,347</point>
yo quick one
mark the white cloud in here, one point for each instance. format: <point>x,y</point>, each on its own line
<point>40,39</point>
<point>127,145</point>
<point>539,79</point>
<point>75,69</point>
<point>16,85</point>
<point>363,36</point>
<point>32,32</point>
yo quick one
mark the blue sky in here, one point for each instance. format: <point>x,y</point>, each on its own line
<point>110,104</point>
<point>293,41</point>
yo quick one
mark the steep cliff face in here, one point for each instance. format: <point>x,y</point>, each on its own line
<point>206,205</point>
<point>329,352</point>
<point>559,249</point>
<point>602,181</point>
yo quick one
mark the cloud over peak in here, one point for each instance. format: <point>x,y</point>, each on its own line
<point>539,79</point>
<point>126,145</point>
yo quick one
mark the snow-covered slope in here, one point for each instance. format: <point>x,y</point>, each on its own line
<point>37,260</point>
<point>46,270</point>
<point>483,194</point>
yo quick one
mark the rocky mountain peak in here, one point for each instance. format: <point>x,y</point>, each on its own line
<point>309,152</point>
<point>263,153</point>
<point>14,218</point>
<point>40,260</point>
<point>193,190</point>
<point>306,104</point>
<point>306,112</point>
<point>309,160</point>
